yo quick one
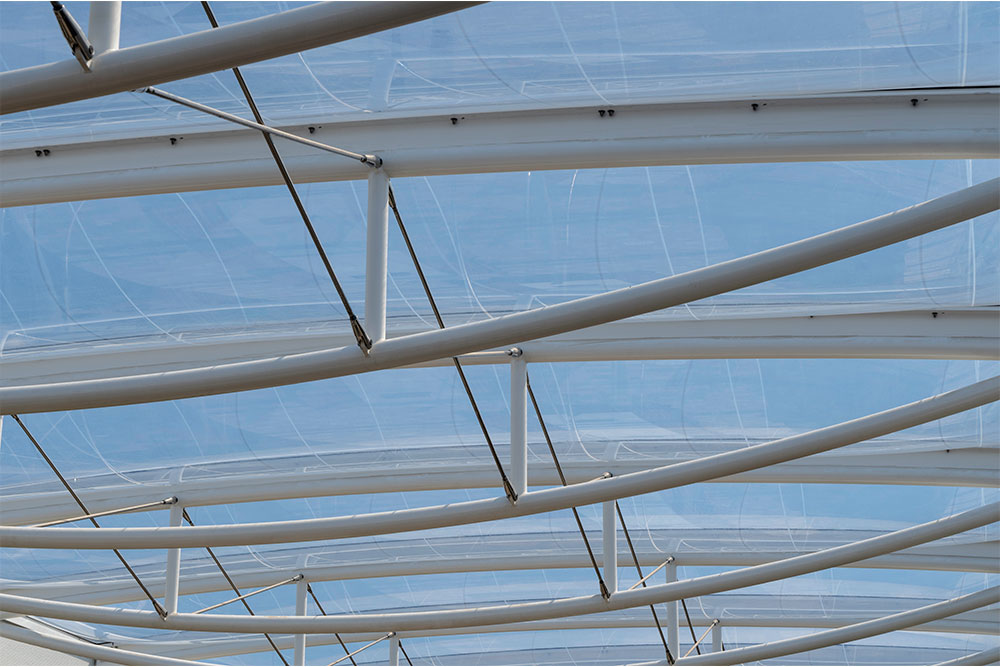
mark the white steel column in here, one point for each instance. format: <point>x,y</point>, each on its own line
<point>173,570</point>
<point>299,646</point>
<point>518,422</point>
<point>673,639</point>
<point>104,25</point>
<point>610,534</point>
<point>717,637</point>
<point>377,254</point>
<point>394,649</point>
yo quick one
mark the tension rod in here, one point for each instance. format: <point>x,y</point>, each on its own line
<point>354,653</point>
<point>244,596</point>
<point>335,634</point>
<point>364,341</point>
<point>121,510</point>
<point>562,478</point>
<point>52,466</point>
<point>507,486</point>
<point>705,634</point>
<point>642,579</point>
<point>232,584</point>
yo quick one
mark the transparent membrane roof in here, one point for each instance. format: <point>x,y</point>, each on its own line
<point>107,281</point>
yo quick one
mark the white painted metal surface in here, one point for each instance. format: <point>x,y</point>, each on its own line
<point>376,254</point>
<point>104,25</point>
<point>862,126</point>
<point>548,321</point>
<point>849,633</point>
<point>518,473</point>
<point>209,51</point>
<point>299,643</point>
<point>609,540</point>
<point>688,588</point>
<point>173,568</point>
<point>657,479</point>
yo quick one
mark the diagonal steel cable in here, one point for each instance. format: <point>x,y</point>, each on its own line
<point>52,466</point>
<point>335,634</point>
<point>405,654</point>
<point>562,478</point>
<point>508,488</point>
<point>638,569</point>
<point>364,342</point>
<point>232,584</point>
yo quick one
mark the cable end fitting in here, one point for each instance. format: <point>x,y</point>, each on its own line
<point>299,577</point>
<point>364,342</point>
<point>172,500</point>
<point>509,490</point>
<point>515,352</point>
<point>373,161</point>
<point>605,593</point>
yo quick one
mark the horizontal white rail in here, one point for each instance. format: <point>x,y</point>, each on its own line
<point>849,633</point>
<point>986,657</point>
<point>209,51</point>
<point>204,649</point>
<point>949,124</point>
<point>958,465</point>
<point>517,328</point>
<point>547,500</point>
<point>969,333</point>
<point>85,649</point>
<point>528,611</point>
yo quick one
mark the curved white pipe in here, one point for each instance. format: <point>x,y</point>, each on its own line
<point>986,657</point>
<point>209,51</point>
<point>516,328</point>
<point>85,649</point>
<point>536,502</point>
<point>528,611</point>
<point>848,633</point>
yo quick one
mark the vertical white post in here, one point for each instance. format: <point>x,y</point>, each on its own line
<point>173,570</point>
<point>299,645</point>
<point>610,535</point>
<point>104,26</point>
<point>673,640</point>
<point>394,650</point>
<point>518,422</point>
<point>377,254</point>
<point>717,638</point>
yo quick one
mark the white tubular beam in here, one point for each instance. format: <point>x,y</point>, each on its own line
<point>299,648</point>
<point>986,657</point>
<point>212,648</point>
<point>547,500</point>
<point>927,334</point>
<point>957,465</point>
<point>209,51</point>
<point>172,573</point>
<point>104,25</point>
<point>518,422</point>
<point>85,649</point>
<point>394,650</point>
<point>548,321</point>
<point>849,633</point>
<point>609,535</point>
<point>864,126</point>
<point>376,254</point>
<point>410,620</point>
<point>717,638</point>
<point>673,619</point>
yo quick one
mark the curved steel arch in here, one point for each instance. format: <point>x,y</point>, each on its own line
<point>688,588</point>
<point>536,502</point>
<point>646,297</point>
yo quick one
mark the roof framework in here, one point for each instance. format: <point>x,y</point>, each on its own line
<point>855,126</point>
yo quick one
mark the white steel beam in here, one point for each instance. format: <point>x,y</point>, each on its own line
<point>508,613</point>
<point>104,25</point>
<point>218,378</point>
<point>113,589</point>
<point>986,657</point>
<point>299,642</point>
<point>969,333</point>
<point>609,540</point>
<point>86,649</point>
<point>546,500</point>
<point>209,51</point>
<point>848,633</point>
<point>673,619</point>
<point>518,422</point>
<point>376,254</point>
<point>984,623</point>
<point>862,126</point>
<point>958,465</point>
<point>172,573</point>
